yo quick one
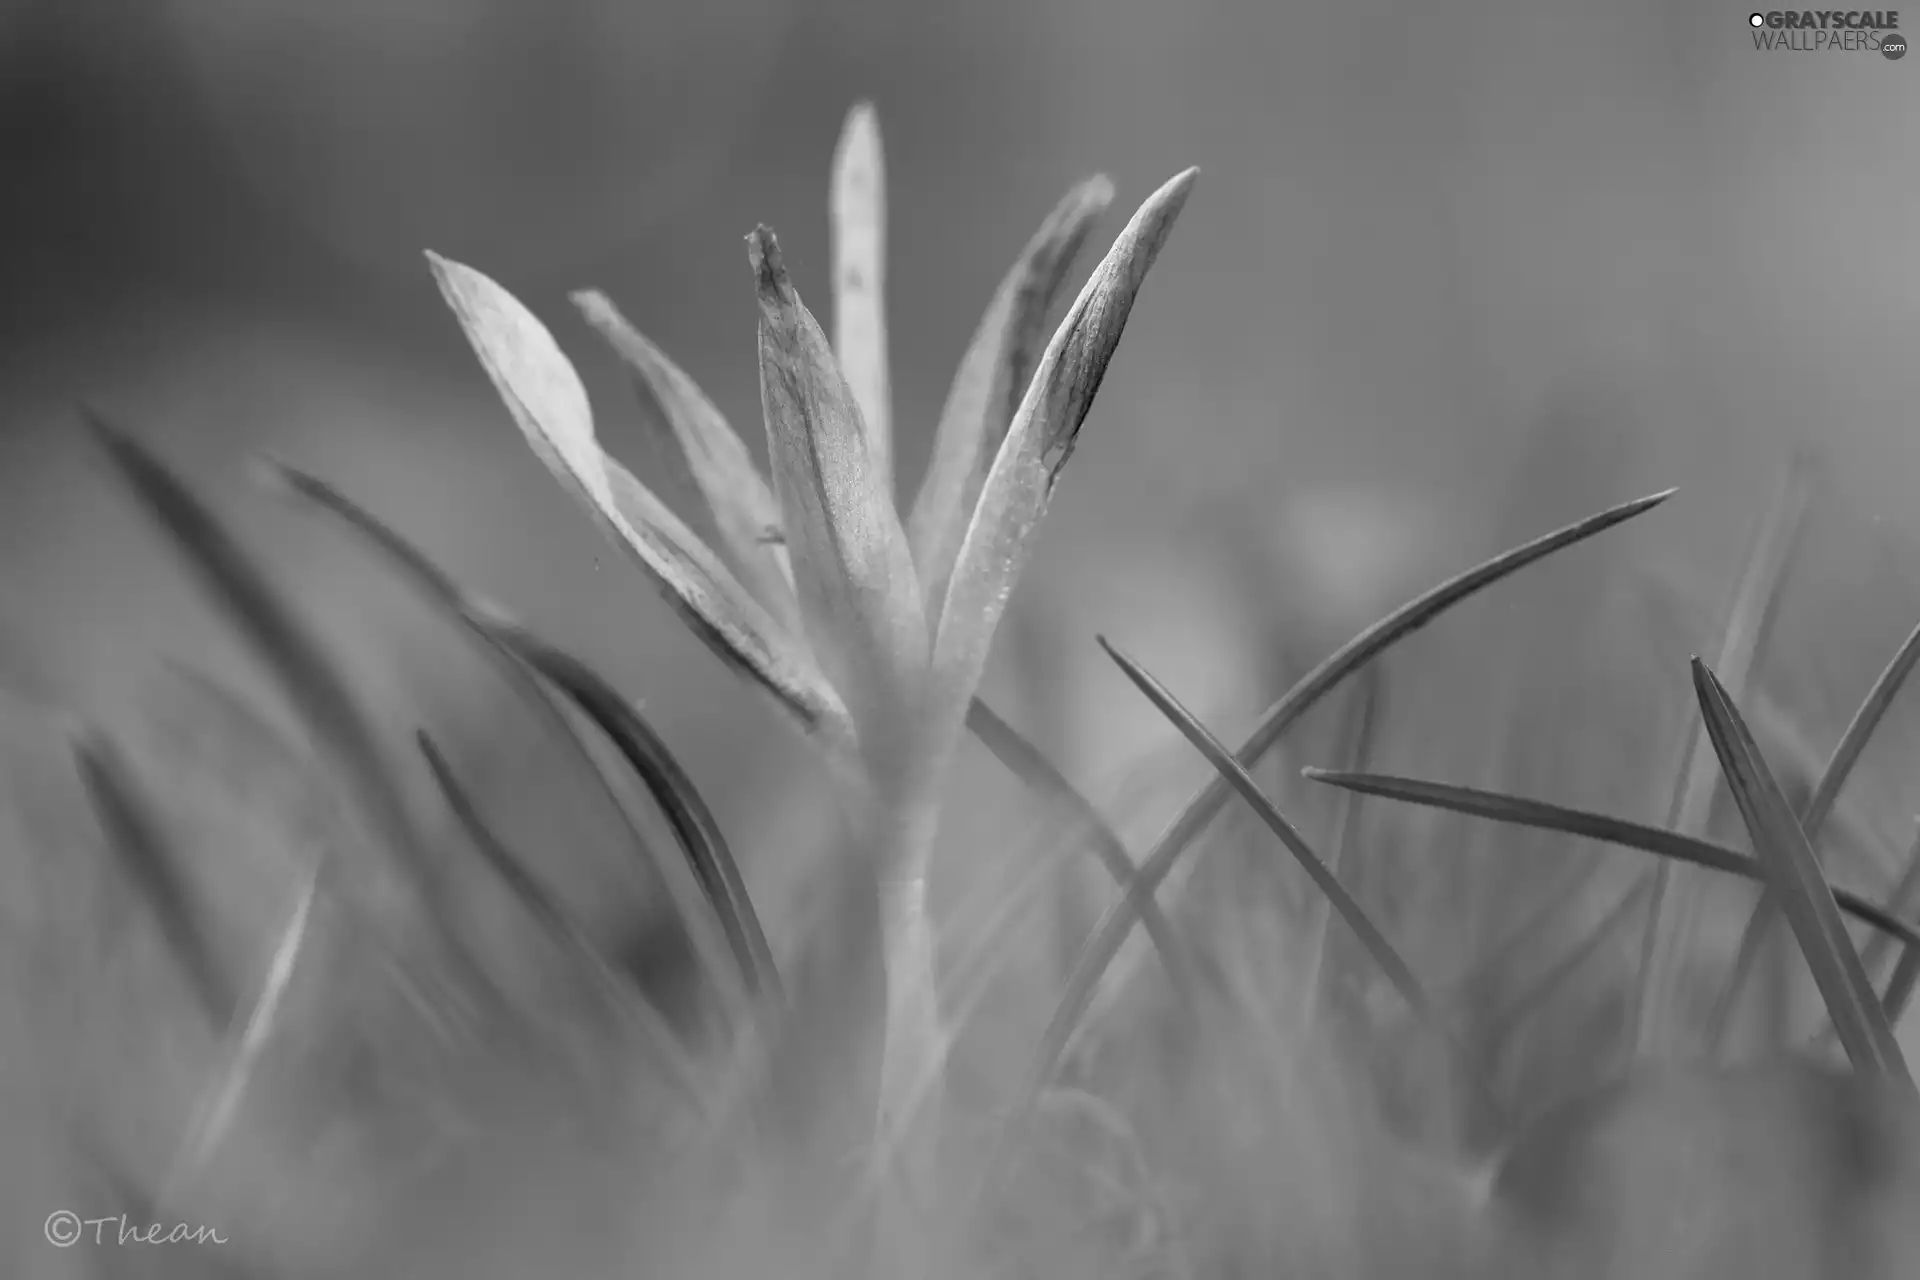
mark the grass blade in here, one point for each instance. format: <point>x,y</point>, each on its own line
<point>147,857</point>
<point>1904,898</point>
<point>694,826</point>
<point>214,1113</point>
<point>1503,1022</point>
<point>1672,915</point>
<point>852,570</point>
<point>549,405</point>
<point>1398,972</point>
<point>519,658</point>
<point>1019,486</point>
<point>1873,958</point>
<point>1111,932</point>
<point>1819,806</point>
<point>991,381</point>
<point>344,739</point>
<point>857,228</point>
<point>1794,873</point>
<point>1026,762</point>
<point>744,510</point>
<point>1539,814</point>
<point>1359,747</point>
<point>625,1004</point>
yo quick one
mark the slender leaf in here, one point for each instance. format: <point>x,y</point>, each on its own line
<point>852,569</point>
<point>857,221</point>
<point>1903,900</point>
<point>1873,958</point>
<point>1026,762</point>
<point>1673,912</point>
<point>1504,1021</point>
<point>148,857</point>
<point>694,826</point>
<point>345,741</point>
<point>516,657</point>
<point>1359,738</point>
<point>566,931</point>
<point>1020,483</point>
<point>723,470</point>
<point>991,382</point>
<point>1819,807</point>
<point>214,1113</point>
<point>1794,874</point>
<point>549,404</point>
<point>1398,972</point>
<point>1522,812</point>
<point>1110,934</point>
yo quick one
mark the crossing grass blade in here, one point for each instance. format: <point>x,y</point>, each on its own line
<point>516,655</point>
<point>1110,934</point>
<point>308,681</point>
<point>1794,874</point>
<point>1673,910</point>
<point>1813,821</point>
<point>1026,762</point>
<point>151,861</point>
<point>632,1013</point>
<point>1541,815</point>
<point>1383,952</point>
<point>707,852</point>
<point>1360,729</point>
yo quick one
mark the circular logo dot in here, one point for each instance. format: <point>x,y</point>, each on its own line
<point>1756,19</point>
<point>1894,47</point>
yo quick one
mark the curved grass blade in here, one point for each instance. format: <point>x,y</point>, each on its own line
<point>1673,914</point>
<point>214,1113</point>
<point>693,824</point>
<point>852,570</point>
<point>694,831</point>
<point>857,244</point>
<point>625,1004</point>
<point>1026,762</point>
<point>722,469</point>
<point>148,858</point>
<point>990,383</point>
<point>1819,807</point>
<point>1794,873</point>
<point>1873,957</point>
<point>1019,485</point>
<point>549,405</point>
<point>1114,926</point>
<point>1359,734</point>
<point>1539,814</point>
<point>1397,971</point>
<point>343,738</point>
<point>1505,1021</point>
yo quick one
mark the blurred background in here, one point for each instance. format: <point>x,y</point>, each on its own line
<point>1452,274</point>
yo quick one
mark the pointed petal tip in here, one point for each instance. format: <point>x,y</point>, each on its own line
<point>769,268</point>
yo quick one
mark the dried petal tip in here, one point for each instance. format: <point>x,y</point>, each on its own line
<point>769,269</point>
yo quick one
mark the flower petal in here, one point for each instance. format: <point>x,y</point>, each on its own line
<point>743,507</point>
<point>992,378</point>
<point>851,566</point>
<point>550,406</point>
<point>857,217</point>
<point>1017,489</point>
